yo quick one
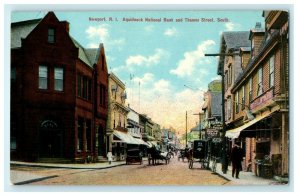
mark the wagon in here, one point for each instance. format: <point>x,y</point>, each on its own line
<point>199,154</point>
<point>134,155</point>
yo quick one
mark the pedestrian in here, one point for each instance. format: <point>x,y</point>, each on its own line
<point>109,157</point>
<point>236,159</point>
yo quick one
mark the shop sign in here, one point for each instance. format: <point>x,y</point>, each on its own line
<point>212,133</point>
<point>261,100</point>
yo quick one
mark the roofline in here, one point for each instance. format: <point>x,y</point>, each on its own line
<point>19,23</point>
<point>116,79</point>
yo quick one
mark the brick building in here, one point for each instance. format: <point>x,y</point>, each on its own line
<point>261,99</point>
<point>58,93</point>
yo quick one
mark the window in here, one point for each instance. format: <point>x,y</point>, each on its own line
<point>271,72</point>
<point>228,108</point>
<point>84,88</point>
<point>252,48</point>
<point>88,134</point>
<point>230,74</point>
<point>43,77</point>
<point>250,90</point>
<point>80,134</point>
<point>13,73</point>
<point>120,120</point>
<point>237,102</point>
<point>59,79</point>
<point>259,83</point>
<point>226,80</point>
<point>243,97</point>
<point>51,35</point>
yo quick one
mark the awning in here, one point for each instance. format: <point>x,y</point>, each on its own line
<point>124,137</point>
<point>235,133</point>
<point>141,142</point>
<point>127,138</point>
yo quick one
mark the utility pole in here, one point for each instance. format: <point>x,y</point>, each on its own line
<point>224,148</point>
<point>186,129</point>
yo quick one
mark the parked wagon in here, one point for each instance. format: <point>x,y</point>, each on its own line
<point>134,155</point>
<point>199,154</point>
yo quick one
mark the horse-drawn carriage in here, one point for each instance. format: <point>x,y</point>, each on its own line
<point>184,153</point>
<point>154,155</point>
<point>199,153</point>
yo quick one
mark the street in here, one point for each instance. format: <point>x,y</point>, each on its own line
<point>174,173</point>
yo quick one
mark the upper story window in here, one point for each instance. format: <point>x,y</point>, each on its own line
<point>229,74</point>
<point>250,90</point>
<point>259,83</point>
<point>237,102</point>
<point>243,97</point>
<point>59,79</point>
<point>271,72</point>
<point>43,77</point>
<point>84,87</point>
<point>252,48</point>
<point>51,35</point>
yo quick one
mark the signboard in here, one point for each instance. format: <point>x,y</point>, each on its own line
<point>211,133</point>
<point>263,99</point>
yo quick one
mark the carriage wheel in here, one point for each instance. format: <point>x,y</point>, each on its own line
<point>190,163</point>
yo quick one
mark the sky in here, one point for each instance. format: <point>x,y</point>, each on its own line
<point>161,63</point>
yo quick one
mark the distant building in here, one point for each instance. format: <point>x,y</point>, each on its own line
<point>212,108</point>
<point>58,94</point>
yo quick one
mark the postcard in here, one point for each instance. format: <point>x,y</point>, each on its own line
<point>151,98</point>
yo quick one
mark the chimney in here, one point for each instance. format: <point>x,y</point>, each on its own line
<point>66,25</point>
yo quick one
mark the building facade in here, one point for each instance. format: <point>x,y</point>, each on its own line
<point>55,83</point>
<point>261,99</point>
<point>117,118</point>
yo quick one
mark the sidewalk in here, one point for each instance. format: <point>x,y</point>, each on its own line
<point>245,178</point>
<point>22,177</point>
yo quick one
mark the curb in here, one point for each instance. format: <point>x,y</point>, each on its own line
<point>65,167</point>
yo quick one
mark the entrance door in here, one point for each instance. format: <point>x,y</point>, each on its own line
<point>50,140</point>
<point>101,143</point>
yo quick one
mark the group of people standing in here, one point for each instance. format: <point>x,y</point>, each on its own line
<point>236,158</point>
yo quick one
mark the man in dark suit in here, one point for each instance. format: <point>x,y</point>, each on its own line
<point>236,159</point>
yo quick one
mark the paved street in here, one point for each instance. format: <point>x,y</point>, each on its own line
<point>175,173</point>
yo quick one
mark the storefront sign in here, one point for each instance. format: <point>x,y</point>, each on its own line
<point>212,133</point>
<point>263,99</point>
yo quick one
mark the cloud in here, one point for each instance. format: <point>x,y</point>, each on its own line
<point>101,34</point>
<point>187,66</point>
<point>230,26</point>
<point>170,32</point>
<point>150,60</point>
<point>149,28</point>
